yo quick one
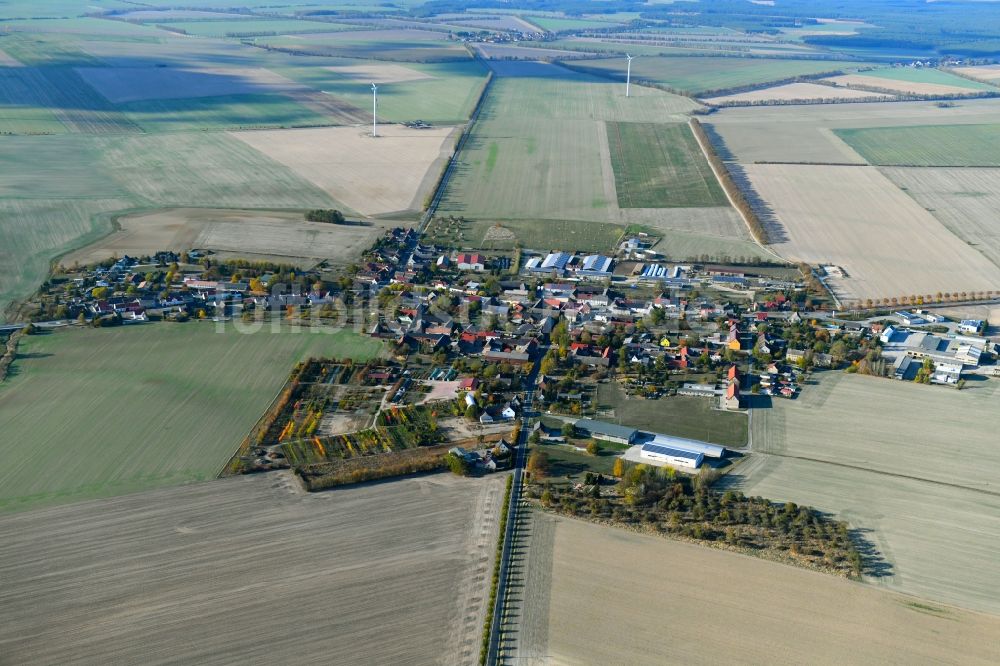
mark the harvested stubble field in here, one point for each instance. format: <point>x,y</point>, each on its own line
<point>251,569</point>
<point>988,73</point>
<point>863,81</point>
<point>806,133</point>
<point>927,145</point>
<point>282,236</point>
<point>773,613</point>
<point>796,92</point>
<point>920,81</point>
<point>660,165</point>
<point>967,201</point>
<point>391,173</point>
<point>855,218</point>
<point>103,412</point>
<point>912,466</point>
<point>696,75</point>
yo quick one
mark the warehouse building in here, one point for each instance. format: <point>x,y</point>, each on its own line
<point>609,432</point>
<point>691,445</point>
<point>671,456</point>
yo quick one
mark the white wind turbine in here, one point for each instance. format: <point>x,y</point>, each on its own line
<point>374,109</point>
<point>628,74</point>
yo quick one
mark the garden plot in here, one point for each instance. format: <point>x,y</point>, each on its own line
<point>251,569</point>
<point>855,218</point>
<point>859,447</point>
<point>391,173</point>
<point>133,84</point>
<point>967,201</point>
<point>796,92</point>
<point>773,613</point>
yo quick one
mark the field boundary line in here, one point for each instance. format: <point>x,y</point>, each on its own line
<point>708,153</point>
<point>442,184</point>
<point>879,472</point>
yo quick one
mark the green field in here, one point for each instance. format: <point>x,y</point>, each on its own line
<point>252,26</point>
<point>680,415</point>
<point>701,75</point>
<point>224,112</point>
<point>538,151</point>
<point>53,189</point>
<point>388,45</point>
<point>927,145</point>
<point>556,24</point>
<point>101,412</point>
<point>659,165</point>
<point>446,92</point>
<point>927,75</point>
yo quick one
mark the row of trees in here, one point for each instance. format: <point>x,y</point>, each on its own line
<point>742,205</point>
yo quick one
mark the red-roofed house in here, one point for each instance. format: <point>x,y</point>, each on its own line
<point>471,262</point>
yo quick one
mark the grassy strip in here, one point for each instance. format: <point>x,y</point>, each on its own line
<point>757,229</point>
<point>504,509</point>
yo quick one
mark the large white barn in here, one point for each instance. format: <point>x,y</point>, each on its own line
<point>674,457</point>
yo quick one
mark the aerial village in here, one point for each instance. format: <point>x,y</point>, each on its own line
<point>479,330</point>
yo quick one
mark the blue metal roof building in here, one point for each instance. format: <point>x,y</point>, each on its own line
<point>672,456</point>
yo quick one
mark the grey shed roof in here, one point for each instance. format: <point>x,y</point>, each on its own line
<point>602,428</point>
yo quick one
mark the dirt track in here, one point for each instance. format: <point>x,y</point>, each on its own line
<point>253,570</point>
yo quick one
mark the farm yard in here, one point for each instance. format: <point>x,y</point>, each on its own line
<point>838,214</point>
<point>393,173</point>
<point>965,200</point>
<point>927,145</point>
<point>141,406</point>
<point>388,573</point>
<point>858,447</point>
<point>767,607</point>
<point>694,75</point>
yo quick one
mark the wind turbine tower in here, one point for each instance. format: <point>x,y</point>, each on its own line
<point>374,109</point>
<point>628,74</point>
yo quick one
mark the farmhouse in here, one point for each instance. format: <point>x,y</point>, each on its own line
<point>470,262</point>
<point>609,432</point>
